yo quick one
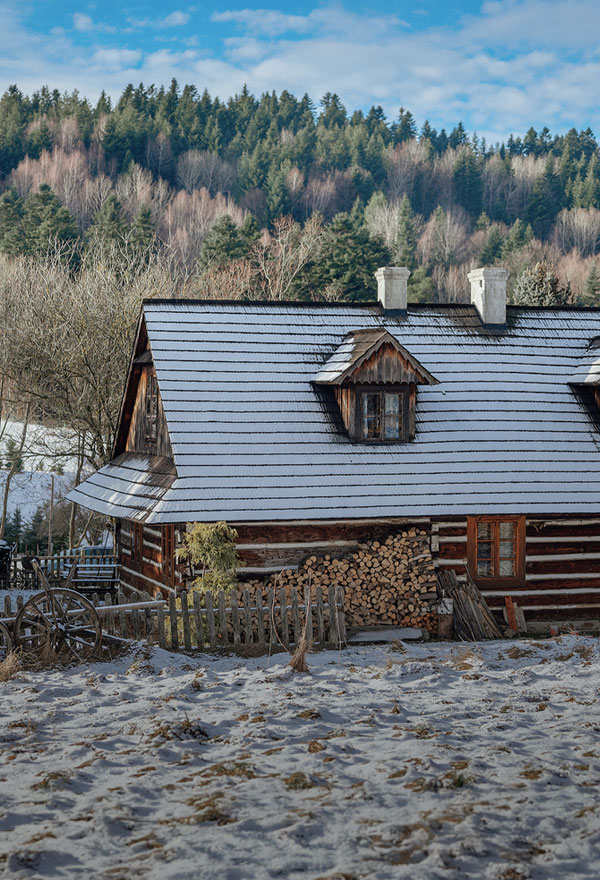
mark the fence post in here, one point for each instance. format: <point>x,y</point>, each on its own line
<point>135,618</point>
<point>173,622</point>
<point>108,624</point>
<point>187,641</point>
<point>333,628</point>
<point>341,615</point>
<point>222,618</point>
<point>7,606</point>
<point>308,615</point>
<point>162,642</point>
<point>285,634</point>
<point>260,619</point>
<point>271,616</point>
<point>210,620</point>
<point>235,619</point>
<point>198,620</point>
<point>248,636</point>
<point>319,612</point>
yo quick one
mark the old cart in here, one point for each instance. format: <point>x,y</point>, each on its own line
<point>56,622</point>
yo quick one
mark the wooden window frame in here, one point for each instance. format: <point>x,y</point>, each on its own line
<point>514,580</point>
<point>404,391</point>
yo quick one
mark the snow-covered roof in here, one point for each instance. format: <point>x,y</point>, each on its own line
<point>502,432</point>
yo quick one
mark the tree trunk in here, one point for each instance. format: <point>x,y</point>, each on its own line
<point>13,470</point>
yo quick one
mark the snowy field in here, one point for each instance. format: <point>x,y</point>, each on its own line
<point>440,761</point>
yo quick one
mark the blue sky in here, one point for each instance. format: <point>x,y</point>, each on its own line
<point>499,66</point>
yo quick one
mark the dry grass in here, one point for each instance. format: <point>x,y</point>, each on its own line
<point>298,659</point>
<point>10,666</point>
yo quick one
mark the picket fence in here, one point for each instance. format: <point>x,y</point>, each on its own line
<point>204,622</point>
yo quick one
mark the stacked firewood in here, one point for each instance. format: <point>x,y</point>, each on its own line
<point>392,581</point>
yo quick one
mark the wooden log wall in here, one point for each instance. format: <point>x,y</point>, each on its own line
<point>146,571</point>
<point>562,567</point>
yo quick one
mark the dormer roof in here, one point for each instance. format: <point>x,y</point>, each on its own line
<point>587,371</point>
<point>359,347</point>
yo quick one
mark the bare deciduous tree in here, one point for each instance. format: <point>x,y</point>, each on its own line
<point>578,228</point>
<point>197,169</point>
<point>281,255</point>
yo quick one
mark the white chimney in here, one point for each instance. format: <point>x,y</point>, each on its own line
<point>488,294</point>
<point>392,284</point>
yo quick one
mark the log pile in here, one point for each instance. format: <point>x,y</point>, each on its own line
<point>392,581</point>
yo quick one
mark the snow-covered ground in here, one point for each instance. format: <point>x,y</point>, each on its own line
<point>440,761</point>
<point>31,489</point>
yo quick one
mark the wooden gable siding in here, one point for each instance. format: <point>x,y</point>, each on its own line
<point>137,438</point>
<point>386,365</point>
<point>562,566</point>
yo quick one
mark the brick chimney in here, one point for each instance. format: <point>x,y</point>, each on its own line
<point>488,294</point>
<point>392,284</point>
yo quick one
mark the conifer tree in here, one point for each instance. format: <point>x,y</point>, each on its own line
<point>518,236</point>
<point>405,129</point>
<point>405,246</point>
<point>142,230</point>
<point>545,201</point>
<point>12,237</point>
<point>223,243</point>
<point>539,286</point>
<point>467,182</point>
<point>591,290</point>
<point>110,223</point>
<point>45,221</point>
<point>349,259</point>
<point>492,247</point>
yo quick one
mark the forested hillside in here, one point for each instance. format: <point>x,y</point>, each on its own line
<point>277,197</point>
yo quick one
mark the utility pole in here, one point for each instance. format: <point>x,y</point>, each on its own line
<point>50,515</point>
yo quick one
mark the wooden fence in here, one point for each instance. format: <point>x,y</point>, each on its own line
<point>55,567</point>
<point>195,622</point>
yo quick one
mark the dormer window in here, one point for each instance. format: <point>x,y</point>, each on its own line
<point>374,380</point>
<point>383,414</point>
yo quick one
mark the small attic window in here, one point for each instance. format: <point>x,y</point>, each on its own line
<point>383,414</point>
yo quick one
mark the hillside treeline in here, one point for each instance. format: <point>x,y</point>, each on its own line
<point>215,183</point>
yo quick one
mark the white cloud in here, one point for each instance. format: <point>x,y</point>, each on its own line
<point>116,59</point>
<point>83,22</point>
<point>175,19</point>
<point>86,24</point>
<point>265,21</point>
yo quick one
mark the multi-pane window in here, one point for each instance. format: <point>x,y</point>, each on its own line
<point>496,548</point>
<point>383,415</point>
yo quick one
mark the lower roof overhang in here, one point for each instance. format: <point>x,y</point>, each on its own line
<point>128,487</point>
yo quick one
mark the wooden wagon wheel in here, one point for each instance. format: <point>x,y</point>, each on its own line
<point>60,622</point>
<point>5,641</point>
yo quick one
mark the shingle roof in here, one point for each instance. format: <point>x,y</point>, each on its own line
<point>502,432</point>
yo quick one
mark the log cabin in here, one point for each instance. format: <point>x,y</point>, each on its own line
<point>367,444</point>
